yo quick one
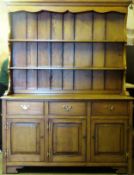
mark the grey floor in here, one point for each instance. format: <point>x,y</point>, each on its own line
<point>57,171</point>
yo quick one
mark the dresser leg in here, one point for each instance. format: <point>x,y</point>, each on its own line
<point>12,169</point>
<point>121,170</point>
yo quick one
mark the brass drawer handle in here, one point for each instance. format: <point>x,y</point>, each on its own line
<point>25,107</point>
<point>67,108</point>
<point>110,108</point>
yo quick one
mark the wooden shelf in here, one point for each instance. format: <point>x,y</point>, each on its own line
<point>67,68</point>
<point>57,96</point>
<point>66,41</point>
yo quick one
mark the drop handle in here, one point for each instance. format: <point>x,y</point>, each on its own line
<point>67,108</point>
<point>110,108</point>
<point>25,107</point>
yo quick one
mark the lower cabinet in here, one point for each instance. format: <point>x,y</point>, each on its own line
<point>94,137</point>
<point>66,140</point>
<point>25,140</point>
<point>109,140</point>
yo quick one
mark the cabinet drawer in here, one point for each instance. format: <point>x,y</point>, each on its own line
<point>67,108</point>
<point>109,108</point>
<point>22,107</point>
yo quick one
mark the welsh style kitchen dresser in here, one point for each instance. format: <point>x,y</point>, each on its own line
<point>67,104</point>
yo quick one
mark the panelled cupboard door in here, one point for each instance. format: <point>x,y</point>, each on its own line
<point>25,140</point>
<point>109,140</point>
<point>67,140</point>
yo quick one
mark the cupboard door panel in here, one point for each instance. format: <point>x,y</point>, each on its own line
<point>67,140</point>
<point>25,140</point>
<point>109,140</point>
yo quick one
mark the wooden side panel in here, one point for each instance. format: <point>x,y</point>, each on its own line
<point>83,55</point>
<point>18,29</point>
<point>98,80</point>
<point>44,21</point>
<point>98,26</point>
<point>113,80</point>
<point>83,80</point>
<point>98,55</point>
<point>83,26</point>
<point>114,55</point>
<point>115,26</point>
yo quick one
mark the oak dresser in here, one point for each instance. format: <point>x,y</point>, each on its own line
<point>67,103</point>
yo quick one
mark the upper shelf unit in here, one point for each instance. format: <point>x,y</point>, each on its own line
<point>67,52</point>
